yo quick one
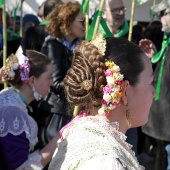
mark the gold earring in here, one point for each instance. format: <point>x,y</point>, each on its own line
<point>128,117</point>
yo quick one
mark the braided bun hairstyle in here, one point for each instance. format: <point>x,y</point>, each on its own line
<point>88,65</point>
<point>38,65</point>
<point>15,79</point>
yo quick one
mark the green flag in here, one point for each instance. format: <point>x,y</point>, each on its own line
<point>141,2</point>
<point>102,27</point>
<point>1,2</point>
<point>84,6</point>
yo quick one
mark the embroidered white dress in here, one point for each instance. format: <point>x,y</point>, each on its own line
<point>92,143</point>
<point>14,119</point>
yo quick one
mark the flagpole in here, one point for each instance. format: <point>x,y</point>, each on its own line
<point>98,17</point>
<point>154,2</point>
<point>4,36</point>
<point>131,20</point>
<point>21,14</point>
<point>85,10</point>
<point>76,108</point>
<point>87,21</point>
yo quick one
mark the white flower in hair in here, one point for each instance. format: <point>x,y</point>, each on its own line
<point>110,80</point>
<point>11,74</point>
<point>116,88</point>
<point>121,77</point>
<point>15,66</point>
<point>116,68</point>
<point>106,97</point>
<point>101,111</point>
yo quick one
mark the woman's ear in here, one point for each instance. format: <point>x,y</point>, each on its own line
<point>125,92</point>
<point>31,81</point>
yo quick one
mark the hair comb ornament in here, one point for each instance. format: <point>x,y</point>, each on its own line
<point>99,42</point>
<point>113,91</point>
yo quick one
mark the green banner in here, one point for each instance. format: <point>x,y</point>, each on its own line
<point>84,6</point>
<point>1,2</point>
<point>157,57</point>
<point>102,27</point>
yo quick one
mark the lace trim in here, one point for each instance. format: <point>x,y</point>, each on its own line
<point>14,117</point>
<point>80,146</point>
<point>33,162</point>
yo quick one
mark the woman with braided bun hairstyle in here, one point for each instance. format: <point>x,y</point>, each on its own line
<point>30,78</point>
<point>112,79</point>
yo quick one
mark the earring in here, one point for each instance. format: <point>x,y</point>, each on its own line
<point>36,95</point>
<point>128,117</point>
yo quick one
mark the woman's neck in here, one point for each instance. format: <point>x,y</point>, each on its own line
<point>70,38</point>
<point>26,93</point>
<point>117,115</point>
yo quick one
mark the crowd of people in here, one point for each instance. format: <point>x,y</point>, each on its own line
<point>112,81</point>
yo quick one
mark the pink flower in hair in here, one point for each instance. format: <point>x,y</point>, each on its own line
<point>107,89</point>
<point>24,68</point>
<point>108,72</point>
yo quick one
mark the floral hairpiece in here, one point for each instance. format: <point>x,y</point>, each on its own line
<point>24,67</point>
<point>113,90</point>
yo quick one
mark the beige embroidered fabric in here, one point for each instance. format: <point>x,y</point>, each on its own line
<point>95,144</point>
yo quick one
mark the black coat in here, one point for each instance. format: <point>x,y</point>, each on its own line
<point>61,59</point>
<point>54,112</point>
<point>158,125</point>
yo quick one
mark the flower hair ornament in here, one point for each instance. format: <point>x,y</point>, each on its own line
<point>24,67</point>
<point>112,92</point>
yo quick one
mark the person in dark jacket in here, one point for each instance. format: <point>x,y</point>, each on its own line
<point>158,124</point>
<point>65,29</point>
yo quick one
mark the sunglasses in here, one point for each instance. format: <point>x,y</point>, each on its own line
<point>82,21</point>
<point>163,13</point>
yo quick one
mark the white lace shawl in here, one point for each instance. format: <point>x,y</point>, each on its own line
<point>14,119</point>
<point>93,143</point>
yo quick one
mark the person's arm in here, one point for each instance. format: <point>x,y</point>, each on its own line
<point>14,150</point>
<point>15,142</point>
<point>39,159</point>
<point>47,152</point>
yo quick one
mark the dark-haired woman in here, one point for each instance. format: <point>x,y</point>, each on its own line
<point>30,77</point>
<point>112,79</point>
